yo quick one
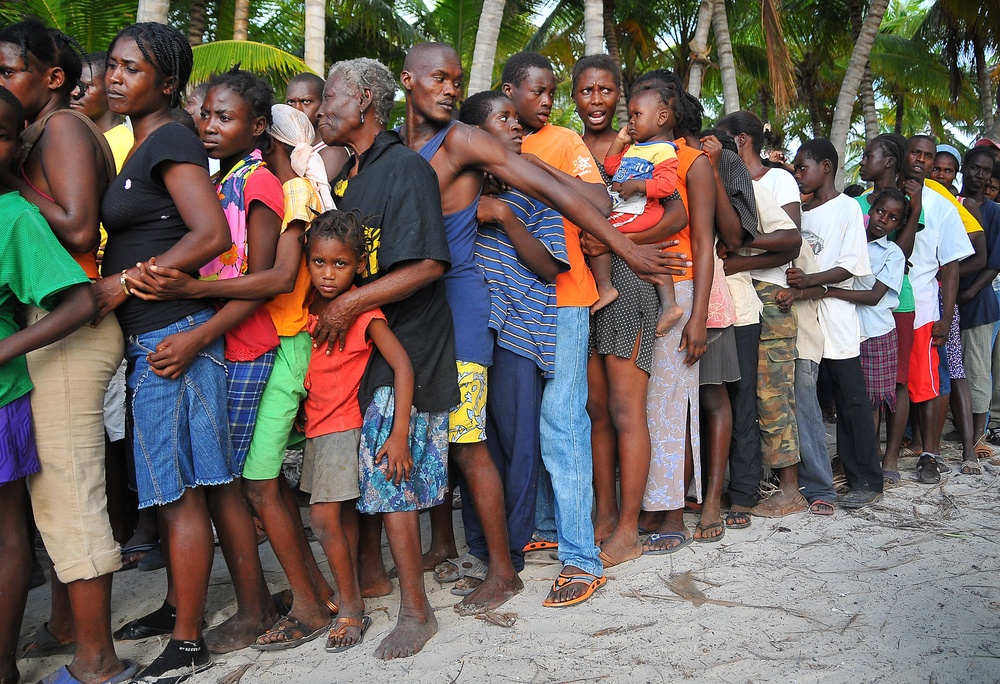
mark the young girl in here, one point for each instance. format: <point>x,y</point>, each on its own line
<point>163,205</point>
<point>335,250</point>
<point>34,270</point>
<point>232,123</point>
<point>643,162</point>
<point>876,296</point>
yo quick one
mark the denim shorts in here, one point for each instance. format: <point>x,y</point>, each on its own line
<point>181,427</point>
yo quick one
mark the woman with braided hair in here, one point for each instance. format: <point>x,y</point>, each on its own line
<point>163,206</point>
<point>64,165</point>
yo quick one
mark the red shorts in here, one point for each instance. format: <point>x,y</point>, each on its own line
<point>904,337</point>
<point>924,382</point>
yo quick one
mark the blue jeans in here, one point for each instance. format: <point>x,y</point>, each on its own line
<point>815,471</point>
<point>566,484</point>
<point>180,427</point>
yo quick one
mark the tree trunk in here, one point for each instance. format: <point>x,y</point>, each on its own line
<point>485,52</point>
<point>699,47</point>
<point>315,35</point>
<point>153,10</point>
<point>844,111</point>
<point>986,93</point>
<point>593,27</point>
<point>720,24</point>
<point>241,20</point>
<point>868,105</point>
<point>611,37</point>
<point>900,112</point>
<point>197,23</point>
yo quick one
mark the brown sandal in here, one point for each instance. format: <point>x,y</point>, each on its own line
<point>339,631</point>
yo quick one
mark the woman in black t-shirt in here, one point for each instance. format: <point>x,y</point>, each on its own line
<point>164,205</point>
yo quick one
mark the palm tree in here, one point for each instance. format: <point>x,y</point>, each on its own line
<point>699,48</point>
<point>720,25</point>
<point>593,26</point>
<point>484,54</point>
<point>153,10</point>
<point>241,19</point>
<point>315,32</point>
<point>844,110</point>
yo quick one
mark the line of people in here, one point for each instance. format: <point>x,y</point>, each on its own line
<point>578,378</point>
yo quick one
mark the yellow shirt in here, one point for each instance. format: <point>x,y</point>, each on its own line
<point>968,220</point>
<point>288,311</point>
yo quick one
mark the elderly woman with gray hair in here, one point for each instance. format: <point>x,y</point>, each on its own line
<point>396,193</point>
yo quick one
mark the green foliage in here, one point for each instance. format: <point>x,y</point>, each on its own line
<point>92,22</point>
<point>274,65</point>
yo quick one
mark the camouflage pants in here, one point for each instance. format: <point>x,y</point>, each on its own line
<point>779,434</point>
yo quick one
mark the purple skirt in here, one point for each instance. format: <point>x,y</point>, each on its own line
<point>18,456</point>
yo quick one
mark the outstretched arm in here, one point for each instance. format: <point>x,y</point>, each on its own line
<point>76,306</point>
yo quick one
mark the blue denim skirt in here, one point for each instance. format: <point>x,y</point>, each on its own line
<point>180,427</point>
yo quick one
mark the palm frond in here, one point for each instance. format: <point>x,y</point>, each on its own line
<point>275,66</point>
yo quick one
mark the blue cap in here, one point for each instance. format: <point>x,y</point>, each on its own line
<point>953,151</point>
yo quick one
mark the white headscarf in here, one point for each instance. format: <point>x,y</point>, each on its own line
<point>292,127</point>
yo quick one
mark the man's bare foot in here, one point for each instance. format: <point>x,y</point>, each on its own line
<point>491,594</point>
<point>604,528</point>
<point>374,582</point>
<point>413,629</point>
<point>435,556</point>
<point>605,295</point>
<point>239,631</point>
<point>780,504</point>
<point>668,319</point>
<point>621,546</point>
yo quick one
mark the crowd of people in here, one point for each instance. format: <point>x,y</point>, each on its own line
<point>195,280</point>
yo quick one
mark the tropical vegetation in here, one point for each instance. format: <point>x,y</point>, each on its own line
<point>846,69</point>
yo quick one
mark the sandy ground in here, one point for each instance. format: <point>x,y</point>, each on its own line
<point>907,590</point>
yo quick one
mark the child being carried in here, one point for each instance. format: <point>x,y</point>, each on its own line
<point>643,161</point>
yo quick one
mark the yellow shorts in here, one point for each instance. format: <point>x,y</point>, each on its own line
<point>467,421</point>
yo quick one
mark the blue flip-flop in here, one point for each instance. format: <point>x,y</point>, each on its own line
<point>682,537</point>
<point>63,676</point>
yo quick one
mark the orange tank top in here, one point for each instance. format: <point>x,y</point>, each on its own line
<point>686,156</point>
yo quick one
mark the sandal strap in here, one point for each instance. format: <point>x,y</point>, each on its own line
<point>565,580</point>
<point>342,624</point>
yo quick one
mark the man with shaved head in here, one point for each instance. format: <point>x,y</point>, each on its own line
<point>461,155</point>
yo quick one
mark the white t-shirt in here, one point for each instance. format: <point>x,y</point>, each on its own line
<point>771,217</point>
<point>942,241</point>
<point>809,342</point>
<point>839,228</point>
<point>888,263</point>
<point>782,185</point>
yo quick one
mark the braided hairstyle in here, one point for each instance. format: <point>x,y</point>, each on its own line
<point>15,105</point>
<point>344,226</point>
<point>166,49</point>
<point>258,95</point>
<point>687,110</point>
<point>892,145</point>
<point>49,47</point>
<point>477,108</point>
<point>891,193</point>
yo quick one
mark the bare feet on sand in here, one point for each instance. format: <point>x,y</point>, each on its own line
<point>621,546</point>
<point>239,631</point>
<point>668,319</point>
<point>413,629</point>
<point>491,594</point>
<point>374,581</point>
<point>435,556</point>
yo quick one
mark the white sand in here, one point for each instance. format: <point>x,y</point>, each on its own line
<point>905,591</point>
